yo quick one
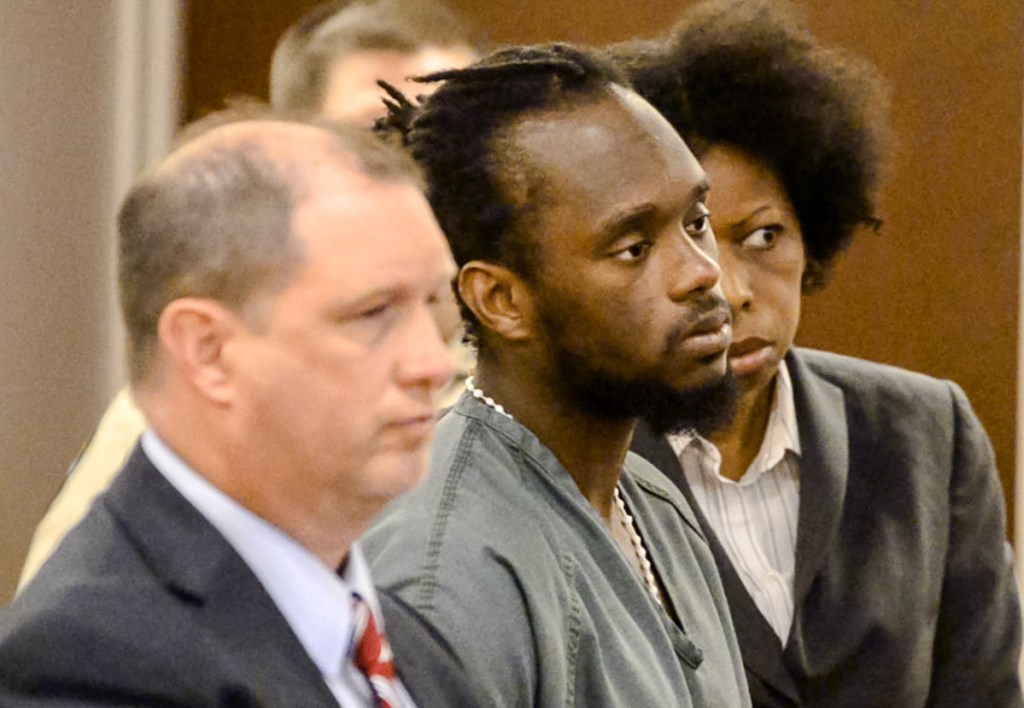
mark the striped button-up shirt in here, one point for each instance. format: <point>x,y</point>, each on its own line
<point>755,517</point>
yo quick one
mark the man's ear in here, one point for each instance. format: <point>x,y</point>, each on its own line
<point>498,298</point>
<point>193,332</point>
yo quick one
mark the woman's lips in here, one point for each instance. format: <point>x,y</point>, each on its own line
<point>749,355</point>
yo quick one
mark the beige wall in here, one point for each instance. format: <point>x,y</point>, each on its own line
<point>54,266</point>
<point>74,127</point>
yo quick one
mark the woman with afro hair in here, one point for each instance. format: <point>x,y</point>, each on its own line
<point>854,509</point>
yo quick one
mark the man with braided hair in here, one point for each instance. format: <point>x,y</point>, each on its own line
<point>564,570</point>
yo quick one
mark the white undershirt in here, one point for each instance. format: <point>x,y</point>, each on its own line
<point>755,518</point>
<point>314,600</point>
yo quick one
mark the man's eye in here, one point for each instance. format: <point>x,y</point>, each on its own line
<point>762,239</point>
<point>634,251</point>
<point>372,312</point>
<point>700,226</point>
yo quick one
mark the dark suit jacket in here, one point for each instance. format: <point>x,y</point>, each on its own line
<point>145,603</point>
<point>904,590</point>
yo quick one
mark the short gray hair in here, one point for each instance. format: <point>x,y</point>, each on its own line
<point>215,220</point>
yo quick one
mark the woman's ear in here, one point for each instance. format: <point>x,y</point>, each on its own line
<point>193,333</point>
<point>498,297</point>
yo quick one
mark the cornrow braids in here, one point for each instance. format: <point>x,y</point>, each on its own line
<point>457,136</point>
<point>748,75</point>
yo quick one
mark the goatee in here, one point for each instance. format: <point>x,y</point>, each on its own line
<point>703,410</point>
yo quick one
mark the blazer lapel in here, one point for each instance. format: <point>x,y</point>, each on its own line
<point>759,645</point>
<point>197,565</point>
<point>824,467</point>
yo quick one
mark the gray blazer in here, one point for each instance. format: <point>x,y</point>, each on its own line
<point>146,604</point>
<point>904,586</point>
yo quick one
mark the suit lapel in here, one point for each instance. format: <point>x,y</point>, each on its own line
<point>824,466</point>
<point>759,645</point>
<point>197,565</point>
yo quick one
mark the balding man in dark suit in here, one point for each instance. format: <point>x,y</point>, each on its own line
<point>276,280</point>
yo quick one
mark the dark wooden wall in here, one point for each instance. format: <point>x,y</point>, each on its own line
<point>937,290</point>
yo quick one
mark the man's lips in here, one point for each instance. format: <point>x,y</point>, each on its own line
<point>428,417</point>
<point>709,335</point>
<point>749,355</point>
<point>417,425</point>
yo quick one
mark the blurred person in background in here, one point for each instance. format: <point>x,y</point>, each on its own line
<point>330,60</point>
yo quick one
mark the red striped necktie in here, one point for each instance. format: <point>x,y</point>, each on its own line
<point>372,656</point>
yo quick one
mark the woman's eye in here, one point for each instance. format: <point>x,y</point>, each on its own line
<point>763,238</point>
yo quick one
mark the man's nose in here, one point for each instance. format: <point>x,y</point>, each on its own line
<point>426,360</point>
<point>694,270</point>
<point>735,282</point>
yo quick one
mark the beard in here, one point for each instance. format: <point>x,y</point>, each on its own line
<point>602,393</point>
<point>703,410</point>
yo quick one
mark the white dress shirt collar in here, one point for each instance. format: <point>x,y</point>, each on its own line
<point>781,434</point>
<point>756,517</point>
<point>314,600</point>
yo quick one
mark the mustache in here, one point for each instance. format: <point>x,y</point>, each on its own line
<point>701,307</point>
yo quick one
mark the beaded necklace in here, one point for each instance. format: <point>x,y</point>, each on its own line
<point>647,570</point>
